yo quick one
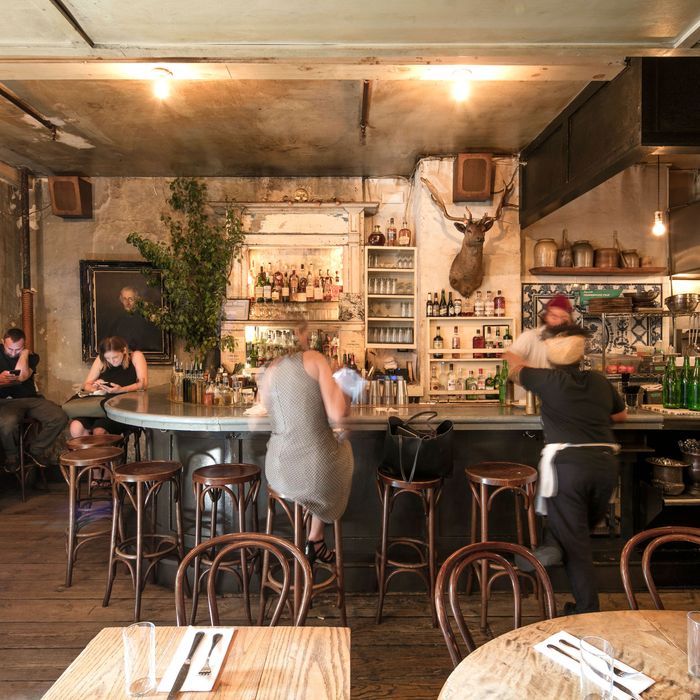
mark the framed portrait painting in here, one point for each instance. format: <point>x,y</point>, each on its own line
<point>109,290</point>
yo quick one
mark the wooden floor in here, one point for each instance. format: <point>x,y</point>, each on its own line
<point>44,626</point>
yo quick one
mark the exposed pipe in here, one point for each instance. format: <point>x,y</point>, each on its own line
<point>364,118</point>
<point>68,15</point>
<point>28,109</point>
<point>25,252</point>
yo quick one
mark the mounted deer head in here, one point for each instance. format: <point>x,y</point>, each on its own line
<point>467,270</point>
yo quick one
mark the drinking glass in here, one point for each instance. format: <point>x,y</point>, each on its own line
<point>597,659</point>
<point>694,643</point>
<point>139,658</point>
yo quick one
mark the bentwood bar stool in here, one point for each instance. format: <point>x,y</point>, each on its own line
<point>139,483</point>
<point>387,566</point>
<point>241,484</point>
<point>298,517</point>
<point>83,508</point>
<point>487,481</point>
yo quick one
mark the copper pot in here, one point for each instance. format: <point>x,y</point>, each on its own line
<point>606,257</point>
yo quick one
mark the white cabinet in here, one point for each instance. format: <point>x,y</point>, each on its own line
<point>466,359</point>
<point>390,297</point>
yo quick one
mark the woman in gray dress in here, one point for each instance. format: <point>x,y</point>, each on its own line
<point>305,461</point>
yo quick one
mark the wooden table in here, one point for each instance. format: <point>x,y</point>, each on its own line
<point>263,662</point>
<point>653,641</point>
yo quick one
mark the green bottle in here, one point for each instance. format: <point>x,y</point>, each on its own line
<point>671,385</point>
<point>503,383</point>
<point>686,373</point>
<point>694,387</point>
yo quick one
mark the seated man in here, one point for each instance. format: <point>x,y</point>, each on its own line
<point>19,399</point>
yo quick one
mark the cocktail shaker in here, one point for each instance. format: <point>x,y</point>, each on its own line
<point>388,391</point>
<point>530,404</point>
<point>401,392</point>
<point>375,393</point>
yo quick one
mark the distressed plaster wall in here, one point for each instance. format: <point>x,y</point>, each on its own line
<point>10,263</point>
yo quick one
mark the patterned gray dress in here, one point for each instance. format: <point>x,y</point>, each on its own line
<point>304,462</point>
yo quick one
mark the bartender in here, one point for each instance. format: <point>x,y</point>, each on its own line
<point>578,470</point>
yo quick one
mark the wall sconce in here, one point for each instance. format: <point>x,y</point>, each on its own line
<point>461,84</point>
<point>161,82</point>
<point>659,227</point>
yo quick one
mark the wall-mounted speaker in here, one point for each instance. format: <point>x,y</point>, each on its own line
<point>71,196</point>
<point>472,177</point>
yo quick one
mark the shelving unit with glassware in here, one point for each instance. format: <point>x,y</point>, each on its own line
<point>463,359</point>
<point>390,297</point>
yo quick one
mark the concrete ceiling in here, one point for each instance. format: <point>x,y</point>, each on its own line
<point>276,88</point>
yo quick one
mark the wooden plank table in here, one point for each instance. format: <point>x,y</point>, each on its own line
<point>262,663</point>
<point>653,641</point>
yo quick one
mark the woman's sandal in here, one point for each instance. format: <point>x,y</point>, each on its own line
<point>316,550</point>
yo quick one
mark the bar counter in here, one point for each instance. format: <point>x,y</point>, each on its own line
<point>202,435</point>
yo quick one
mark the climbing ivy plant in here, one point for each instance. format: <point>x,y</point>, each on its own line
<point>195,266</point>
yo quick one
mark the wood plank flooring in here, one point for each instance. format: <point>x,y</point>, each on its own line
<point>44,626</point>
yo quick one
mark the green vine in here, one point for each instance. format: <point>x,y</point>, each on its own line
<point>195,266</point>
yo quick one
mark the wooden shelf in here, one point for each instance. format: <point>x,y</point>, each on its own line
<point>599,271</point>
<point>448,319</point>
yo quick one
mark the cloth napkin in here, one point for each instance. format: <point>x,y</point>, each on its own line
<point>636,683</point>
<point>257,409</point>
<point>194,682</point>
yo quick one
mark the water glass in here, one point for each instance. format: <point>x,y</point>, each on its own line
<point>694,643</point>
<point>597,663</point>
<point>139,658</point>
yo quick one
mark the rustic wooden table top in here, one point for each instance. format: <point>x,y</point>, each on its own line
<point>653,641</point>
<point>262,662</point>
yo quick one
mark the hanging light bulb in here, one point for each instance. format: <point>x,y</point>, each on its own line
<point>161,82</point>
<point>461,84</point>
<point>659,227</point>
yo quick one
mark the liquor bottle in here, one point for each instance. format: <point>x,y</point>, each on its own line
<point>477,344</point>
<point>260,286</point>
<point>450,306</point>
<point>489,384</point>
<point>318,288</point>
<point>498,342</point>
<point>404,238</point>
<point>461,382</point>
<point>671,387</point>
<point>478,304</point>
<point>277,281</point>
<point>481,380</point>
<point>328,286</point>
<point>267,291</point>
<point>468,307</point>
<point>285,287</point>
<point>376,237</point>
<point>507,339</point>
<point>429,306</point>
<point>488,341</point>
<point>434,381</point>
<point>503,385</point>
<point>442,377</point>
<point>455,342</point>
<point>458,307</point>
<point>470,386</point>
<point>451,379</point>
<point>489,309</point>
<point>443,305</point>
<point>685,381</point>
<point>293,285</point>
<point>499,304</point>
<point>335,289</point>
<point>339,282</point>
<point>391,232</point>
<point>436,305</point>
<point>437,343</point>
<point>310,282</point>
<point>301,288</point>
<point>694,388</point>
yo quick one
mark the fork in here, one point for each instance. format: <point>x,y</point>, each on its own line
<point>206,669</point>
<point>617,671</point>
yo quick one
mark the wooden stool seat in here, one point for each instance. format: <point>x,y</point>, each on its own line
<point>218,481</point>
<point>140,483</point>
<point>501,474</point>
<point>105,440</point>
<point>77,468</point>
<point>428,491</point>
<point>298,517</point>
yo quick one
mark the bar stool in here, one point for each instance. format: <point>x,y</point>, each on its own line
<point>520,480</point>
<point>26,426</point>
<point>76,467</point>
<point>298,518</point>
<point>132,431</point>
<point>140,483</point>
<point>217,481</point>
<point>428,491</point>
<point>85,441</point>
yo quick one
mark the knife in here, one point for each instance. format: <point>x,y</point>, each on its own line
<point>619,686</point>
<point>620,670</point>
<point>185,668</point>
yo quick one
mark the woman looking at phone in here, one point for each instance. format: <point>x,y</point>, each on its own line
<point>114,371</point>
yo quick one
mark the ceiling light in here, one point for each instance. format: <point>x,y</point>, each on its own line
<point>161,82</point>
<point>461,84</point>
<point>659,227</point>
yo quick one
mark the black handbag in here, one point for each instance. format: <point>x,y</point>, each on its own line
<point>418,453</point>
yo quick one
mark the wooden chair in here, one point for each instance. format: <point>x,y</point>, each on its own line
<point>659,536</point>
<point>218,551</point>
<point>463,560</point>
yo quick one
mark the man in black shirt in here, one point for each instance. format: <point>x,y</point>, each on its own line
<point>578,470</point>
<point>19,398</point>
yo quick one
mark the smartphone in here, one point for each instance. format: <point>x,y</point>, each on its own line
<point>107,384</point>
<point>14,371</point>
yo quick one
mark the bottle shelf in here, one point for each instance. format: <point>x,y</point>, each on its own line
<point>391,318</point>
<point>398,248</point>
<point>396,346</point>
<point>391,269</point>
<point>462,392</point>
<point>598,271</point>
<point>466,359</point>
<point>390,296</point>
<point>449,319</point>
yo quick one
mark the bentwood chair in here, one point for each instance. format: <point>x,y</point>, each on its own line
<point>462,561</point>
<point>655,538</point>
<point>220,551</point>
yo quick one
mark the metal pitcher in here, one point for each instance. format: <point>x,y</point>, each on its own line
<point>401,391</point>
